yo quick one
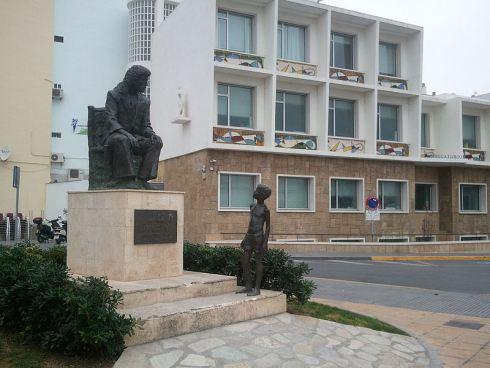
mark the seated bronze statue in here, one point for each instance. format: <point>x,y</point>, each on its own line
<point>123,148</point>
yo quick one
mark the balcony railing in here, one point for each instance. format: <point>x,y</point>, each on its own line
<point>347,75</point>
<point>392,82</point>
<point>247,137</point>
<point>392,148</point>
<point>296,141</point>
<point>238,58</point>
<point>345,145</point>
<point>296,67</point>
<point>474,154</point>
<point>427,152</point>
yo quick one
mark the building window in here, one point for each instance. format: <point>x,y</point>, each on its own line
<point>55,134</point>
<point>473,237</point>
<point>235,32</point>
<point>235,106</point>
<point>387,59</point>
<point>58,39</point>
<point>425,238</point>
<point>56,85</point>
<point>291,112</point>
<point>346,194</point>
<point>393,195</point>
<point>390,239</point>
<point>341,117</point>
<point>425,197</point>
<point>236,191</point>
<point>470,129</point>
<point>388,123</point>
<point>473,198</point>
<point>168,9</point>
<point>347,240</point>
<point>291,42</point>
<point>425,131</point>
<point>295,193</point>
<point>141,26</point>
<point>342,51</point>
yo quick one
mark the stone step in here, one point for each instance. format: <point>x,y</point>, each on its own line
<point>164,320</point>
<point>189,285</point>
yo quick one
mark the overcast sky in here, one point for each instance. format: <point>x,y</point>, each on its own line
<point>456,39</point>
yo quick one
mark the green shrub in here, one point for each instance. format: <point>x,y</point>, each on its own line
<point>39,300</point>
<point>280,274</point>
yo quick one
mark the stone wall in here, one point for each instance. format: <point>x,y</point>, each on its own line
<point>205,223</point>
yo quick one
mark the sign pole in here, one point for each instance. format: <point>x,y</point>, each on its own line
<point>16,185</point>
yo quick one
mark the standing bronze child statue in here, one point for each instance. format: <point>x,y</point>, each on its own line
<point>256,240</point>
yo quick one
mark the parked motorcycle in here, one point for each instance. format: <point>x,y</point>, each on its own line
<point>61,232</point>
<point>51,230</point>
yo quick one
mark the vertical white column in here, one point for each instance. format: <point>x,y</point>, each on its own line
<point>372,97</point>
<point>270,41</point>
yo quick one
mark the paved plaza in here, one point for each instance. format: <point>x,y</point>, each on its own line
<point>285,340</point>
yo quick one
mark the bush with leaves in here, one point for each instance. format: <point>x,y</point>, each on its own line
<point>39,300</point>
<point>281,273</point>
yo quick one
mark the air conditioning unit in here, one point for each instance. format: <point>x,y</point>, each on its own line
<point>57,94</point>
<point>74,174</point>
<point>57,157</point>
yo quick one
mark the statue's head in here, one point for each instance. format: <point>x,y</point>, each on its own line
<point>262,192</point>
<point>136,78</point>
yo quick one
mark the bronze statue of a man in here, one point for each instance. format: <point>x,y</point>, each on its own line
<point>256,240</point>
<point>128,133</point>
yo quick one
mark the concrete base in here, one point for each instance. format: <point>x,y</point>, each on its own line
<point>101,235</point>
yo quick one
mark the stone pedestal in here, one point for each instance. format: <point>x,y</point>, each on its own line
<point>101,234</point>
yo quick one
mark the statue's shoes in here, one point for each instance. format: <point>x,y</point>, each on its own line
<point>244,290</point>
<point>254,292</point>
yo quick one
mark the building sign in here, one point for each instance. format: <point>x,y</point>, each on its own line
<point>5,153</point>
<point>155,227</point>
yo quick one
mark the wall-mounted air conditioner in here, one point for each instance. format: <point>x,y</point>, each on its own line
<point>57,94</point>
<point>57,157</point>
<point>74,174</point>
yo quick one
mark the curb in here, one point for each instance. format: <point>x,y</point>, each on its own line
<point>394,258</point>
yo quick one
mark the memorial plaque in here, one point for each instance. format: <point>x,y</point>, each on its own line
<point>155,227</point>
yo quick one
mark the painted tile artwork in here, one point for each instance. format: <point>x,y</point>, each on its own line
<point>238,136</point>
<point>475,155</point>
<point>428,153</point>
<point>392,149</point>
<point>237,58</point>
<point>347,75</point>
<point>296,68</point>
<point>392,82</point>
<point>296,141</point>
<point>345,145</point>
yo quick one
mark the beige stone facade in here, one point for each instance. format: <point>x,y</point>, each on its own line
<point>197,175</point>
<point>25,101</point>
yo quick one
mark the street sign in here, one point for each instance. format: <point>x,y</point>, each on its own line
<point>373,215</point>
<point>16,177</point>
<point>372,203</point>
<point>372,209</point>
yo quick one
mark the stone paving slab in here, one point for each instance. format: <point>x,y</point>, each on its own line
<point>284,340</point>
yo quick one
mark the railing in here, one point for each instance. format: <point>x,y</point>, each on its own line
<point>15,229</point>
<point>392,148</point>
<point>296,141</point>
<point>346,75</point>
<point>473,154</point>
<point>238,58</point>
<point>238,136</point>
<point>296,67</point>
<point>427,152</point>
<point>392,82</point>
<point>346,145</point>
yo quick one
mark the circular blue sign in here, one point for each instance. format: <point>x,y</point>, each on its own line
<point>372,203</point>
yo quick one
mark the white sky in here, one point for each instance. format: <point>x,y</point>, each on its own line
<point>456,39</point>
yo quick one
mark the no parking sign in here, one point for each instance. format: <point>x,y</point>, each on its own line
<point>372,209</point>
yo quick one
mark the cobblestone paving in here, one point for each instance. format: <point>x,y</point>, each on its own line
<point>286,341</point>
<point>476,305</point>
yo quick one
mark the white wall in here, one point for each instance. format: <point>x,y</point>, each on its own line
<point>57,196</point>
<point>90,61</point>
<point>182,57</point>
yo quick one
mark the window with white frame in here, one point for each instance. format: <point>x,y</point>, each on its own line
<point>347,240</point>
<point>425,131</point>
<point>295,193</point>
<point>425,238</point>
<point>346,194</point>
<point>291,112</point>
<point>470,132</point>
<point>342,51</point>
<point>473,237</point>
<point>236,190</point>
<point>235,105</point>
<point>425,197</point>
<point>291,42</point>
<point>388,123</point>
<point>473,198</point>
<point>235,31</point>
<point>168,9</point>
<point>394,239</point>
<point>393,195</point>
<point>388,59</point>
<point>342,118</point>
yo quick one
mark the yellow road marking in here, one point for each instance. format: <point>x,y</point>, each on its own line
<point>431,258</point>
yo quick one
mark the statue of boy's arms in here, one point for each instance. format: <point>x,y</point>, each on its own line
<point>267,228</point>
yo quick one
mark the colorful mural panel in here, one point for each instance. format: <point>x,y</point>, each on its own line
<point>296,141</point>
<point>428,153</point>
<point>347,75</point>
<point>346,145</point>
<point>238,136</point>
<point>296,68</point>
<point>475,155</point>
<point>238,58</point>
<point>392,149</point>
<point>392,82</point>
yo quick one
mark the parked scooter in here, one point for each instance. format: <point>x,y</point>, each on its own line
<point>44,229</point>
<point>60,232</point>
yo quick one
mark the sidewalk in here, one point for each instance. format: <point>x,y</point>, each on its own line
<point>467,345</point>
<point>455,256</point>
